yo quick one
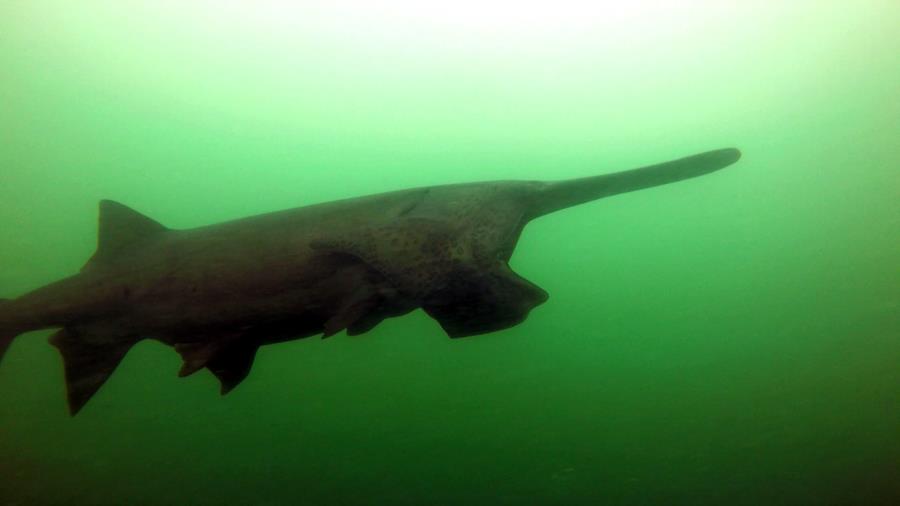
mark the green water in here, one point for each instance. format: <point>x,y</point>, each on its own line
<point>733,339</point>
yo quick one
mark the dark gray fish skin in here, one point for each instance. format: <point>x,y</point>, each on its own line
<point>218,293</point>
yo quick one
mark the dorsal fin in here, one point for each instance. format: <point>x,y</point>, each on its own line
<point>121,229</point>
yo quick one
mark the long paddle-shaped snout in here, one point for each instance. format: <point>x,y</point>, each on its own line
<point>562,194</point>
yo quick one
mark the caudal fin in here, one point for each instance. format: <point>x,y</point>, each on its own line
<point>7,332</point>
<point>6,338</point>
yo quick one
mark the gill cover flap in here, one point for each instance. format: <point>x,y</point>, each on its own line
<point>89,358</point>
<point>411,252</point>
<point>121,229</point>
<point>478,302</point>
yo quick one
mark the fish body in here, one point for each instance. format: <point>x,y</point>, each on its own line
<point>218,293</point>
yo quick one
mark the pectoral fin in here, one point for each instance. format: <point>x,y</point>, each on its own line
<point>352,310</point>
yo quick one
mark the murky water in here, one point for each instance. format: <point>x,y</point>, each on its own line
<point>733,339</point>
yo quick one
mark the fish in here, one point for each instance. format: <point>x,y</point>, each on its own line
<point>217,293</point>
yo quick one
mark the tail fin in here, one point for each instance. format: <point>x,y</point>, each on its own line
<point>562,194</point>
<point>7,333</point>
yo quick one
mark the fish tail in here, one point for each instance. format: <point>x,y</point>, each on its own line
<point>8,331</point>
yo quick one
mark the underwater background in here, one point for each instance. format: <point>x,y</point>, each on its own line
<point>733,339</point>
